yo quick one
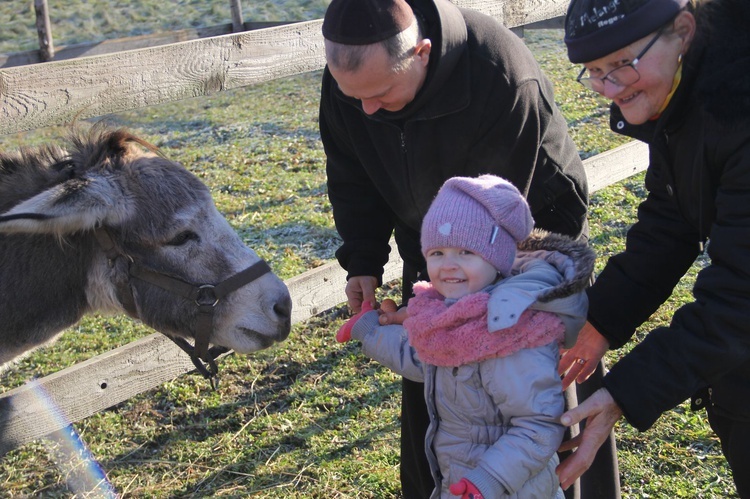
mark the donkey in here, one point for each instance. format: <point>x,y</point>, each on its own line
<point>109,225</point>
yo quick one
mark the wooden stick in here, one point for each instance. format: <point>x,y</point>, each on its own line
<point>237,23</point>
<point>44,30</point>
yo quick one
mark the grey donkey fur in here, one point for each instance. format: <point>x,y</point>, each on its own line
<point>53,271</point>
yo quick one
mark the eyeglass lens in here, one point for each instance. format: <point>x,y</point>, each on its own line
<point>622,76</point>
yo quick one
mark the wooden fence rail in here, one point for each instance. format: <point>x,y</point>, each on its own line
<point>58,92</point>
<point>52,93</point>
<point>47,51</point>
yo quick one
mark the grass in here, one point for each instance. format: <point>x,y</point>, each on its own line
<point>83,21</point>
<point>308,418</point>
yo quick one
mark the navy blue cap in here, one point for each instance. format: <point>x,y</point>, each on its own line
<point>596,28</point>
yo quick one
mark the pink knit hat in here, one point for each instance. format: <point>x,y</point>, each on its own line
<point>486,215</point>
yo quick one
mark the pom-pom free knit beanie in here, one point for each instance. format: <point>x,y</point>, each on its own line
<point>596,28</point>
<point>486,215</point>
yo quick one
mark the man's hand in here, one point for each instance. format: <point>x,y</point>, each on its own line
<point>580,362</point>
<point>361,289</point>
<point>601,412</point>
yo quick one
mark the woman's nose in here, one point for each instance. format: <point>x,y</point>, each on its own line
<point>611,90</point>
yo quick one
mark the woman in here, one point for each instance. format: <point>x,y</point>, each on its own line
<point>678,73</point>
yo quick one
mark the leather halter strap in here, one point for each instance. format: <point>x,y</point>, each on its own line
<point>205,296</point>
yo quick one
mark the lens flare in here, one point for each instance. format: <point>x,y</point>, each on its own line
<point>83,475</point>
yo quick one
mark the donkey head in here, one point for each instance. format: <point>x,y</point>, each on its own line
<point>158,217</point>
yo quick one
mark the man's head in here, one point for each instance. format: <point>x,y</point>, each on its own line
<point>375,52</point>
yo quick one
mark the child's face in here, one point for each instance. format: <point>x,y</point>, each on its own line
<point>456,272</point>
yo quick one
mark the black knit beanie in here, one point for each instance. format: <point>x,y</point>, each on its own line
<point>363,22</point>
<point>596,28</point>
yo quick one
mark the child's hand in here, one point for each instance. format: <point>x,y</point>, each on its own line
<point>390,313</point>
<point>345,332</point>
<point>465,490</point>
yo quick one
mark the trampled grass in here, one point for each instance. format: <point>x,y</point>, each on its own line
<point>308,418</point>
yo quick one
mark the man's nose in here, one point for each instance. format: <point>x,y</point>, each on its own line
<point>370,106</point>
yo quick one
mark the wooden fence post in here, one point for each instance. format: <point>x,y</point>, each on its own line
<point>44,30</point>
<point>237,23</point>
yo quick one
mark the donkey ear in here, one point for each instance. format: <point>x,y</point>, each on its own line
<point>76,205</point>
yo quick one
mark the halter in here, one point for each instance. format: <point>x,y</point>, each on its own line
<point>205,296</point>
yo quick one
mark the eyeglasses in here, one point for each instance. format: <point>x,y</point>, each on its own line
<point>622,77</point>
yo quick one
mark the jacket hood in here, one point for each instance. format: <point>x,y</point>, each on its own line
<point>723,41</point>
<point>576,264</point>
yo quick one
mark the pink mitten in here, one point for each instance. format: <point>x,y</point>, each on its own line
<point>345,331</point>
<point>465,490</point>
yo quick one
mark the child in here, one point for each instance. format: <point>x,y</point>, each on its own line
<point>483,337</point>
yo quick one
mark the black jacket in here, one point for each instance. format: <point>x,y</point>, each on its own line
<point>699,191</point>
<point>485,107</point>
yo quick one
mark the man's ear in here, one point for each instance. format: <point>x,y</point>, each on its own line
<point>423,49</point>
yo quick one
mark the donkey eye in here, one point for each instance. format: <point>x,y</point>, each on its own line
<point>183,237</point>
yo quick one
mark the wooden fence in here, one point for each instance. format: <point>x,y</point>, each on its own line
<point>56,92</point>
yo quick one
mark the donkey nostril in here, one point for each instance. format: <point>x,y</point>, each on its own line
<point>283,308</point>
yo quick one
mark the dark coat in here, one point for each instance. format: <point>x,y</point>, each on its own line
<point>699,192</point>
<point>485,107</point>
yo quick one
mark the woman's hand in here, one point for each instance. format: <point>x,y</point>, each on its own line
<point>601,412</point>
<point>579,362</point>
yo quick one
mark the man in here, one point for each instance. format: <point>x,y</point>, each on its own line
<point>416,93</point>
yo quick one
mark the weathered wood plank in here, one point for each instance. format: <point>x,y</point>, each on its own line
<point>51,403</point>
<point>320,289</point>
<point>515,13</point>
<point>616,164</point>
<point>58,92</point>
<point>65,52</point>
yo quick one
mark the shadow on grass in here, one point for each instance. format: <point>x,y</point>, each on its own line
<point>287,396</point>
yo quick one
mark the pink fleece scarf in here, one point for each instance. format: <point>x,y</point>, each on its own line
<point>455,335</point>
